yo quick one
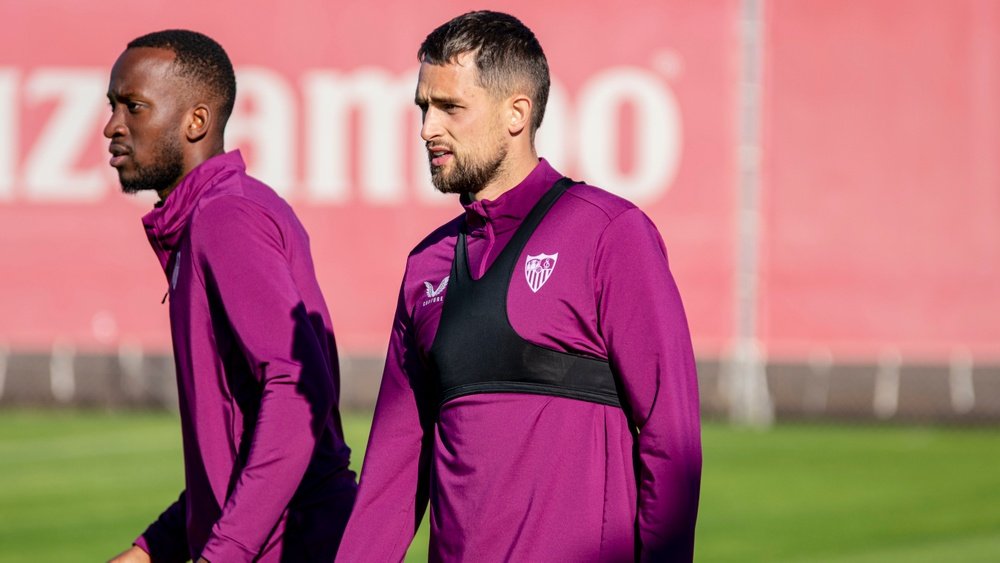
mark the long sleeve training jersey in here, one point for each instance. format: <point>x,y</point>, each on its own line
<point>265,464</point>
<point>523,477</point>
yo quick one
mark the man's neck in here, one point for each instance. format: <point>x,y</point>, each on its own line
<point>517,170</point>
<point>164,192</point>
<point>191,163</point>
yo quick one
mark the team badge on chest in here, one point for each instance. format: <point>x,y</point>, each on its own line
<point>538,269</point>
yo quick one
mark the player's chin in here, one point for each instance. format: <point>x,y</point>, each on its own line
<point>129,184</point>
<point>443,186</point>
<point>438,175</point>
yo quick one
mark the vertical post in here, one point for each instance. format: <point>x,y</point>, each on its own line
<point>4,353</point>
<point>963,392</point>
<point>131,358</point>
<point>817,389</point>
<point>62,379</point>
<point>885,402</point>
<point>749,399</point>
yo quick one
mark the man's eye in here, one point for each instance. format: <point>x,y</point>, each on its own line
<point>132,106</point>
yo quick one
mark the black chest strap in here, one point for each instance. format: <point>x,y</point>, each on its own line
<point>476,350</point>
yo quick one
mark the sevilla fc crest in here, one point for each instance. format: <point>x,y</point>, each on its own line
<point>537,269</point>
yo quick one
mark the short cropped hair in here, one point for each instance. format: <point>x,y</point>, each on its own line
<point>506,53</point>
<point>200,59</point>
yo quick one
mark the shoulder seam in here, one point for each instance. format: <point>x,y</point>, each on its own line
<point>602,209</point>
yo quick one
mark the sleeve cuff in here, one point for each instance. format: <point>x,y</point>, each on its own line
<point>158,550</point>
<point>140,542</point>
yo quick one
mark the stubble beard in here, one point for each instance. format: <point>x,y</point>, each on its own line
<point>166,170</point>
<point>469,177</point>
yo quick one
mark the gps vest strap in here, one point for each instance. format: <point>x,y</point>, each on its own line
<point>476,350</point>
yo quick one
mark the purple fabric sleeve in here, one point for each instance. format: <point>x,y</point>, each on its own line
<point>393,489</point>
<point>166,539</point>
<point>242,255</point>
<point>642,319</point>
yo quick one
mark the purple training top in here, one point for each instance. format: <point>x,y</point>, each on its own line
<point>265,463</point>
<point>518,477</point>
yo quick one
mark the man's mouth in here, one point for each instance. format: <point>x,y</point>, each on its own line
<point>118,154</point>
<point>439,156</point>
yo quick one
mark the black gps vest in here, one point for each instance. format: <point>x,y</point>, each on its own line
<point>476,350</point>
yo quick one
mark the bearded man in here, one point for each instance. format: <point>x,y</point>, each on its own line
<point>540,387</point>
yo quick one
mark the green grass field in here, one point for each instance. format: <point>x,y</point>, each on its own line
<point>80,486</point>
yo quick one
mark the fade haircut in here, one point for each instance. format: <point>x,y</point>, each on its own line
<point>200,59</point>
<point>506,53</point>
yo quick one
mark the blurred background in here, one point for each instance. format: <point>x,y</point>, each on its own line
<point>825,175</point>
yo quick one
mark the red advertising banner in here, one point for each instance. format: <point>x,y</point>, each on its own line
<point>882,181</point>
<point>643,104</point>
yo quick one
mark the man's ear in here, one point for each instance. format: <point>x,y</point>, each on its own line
<point>199,122</point>
<point>520,114</point>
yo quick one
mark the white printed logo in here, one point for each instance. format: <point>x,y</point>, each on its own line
<point>537,269</point>
<point>431,292</point>
<point>434,295</point>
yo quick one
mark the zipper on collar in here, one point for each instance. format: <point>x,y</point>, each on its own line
<point>490,240</point>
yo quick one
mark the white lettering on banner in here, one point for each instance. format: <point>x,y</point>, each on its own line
<point>8,131</point>
<point>384,103</point>
<point>658,126</point>
<point>363,120</point>
<point>264,118</point>
<point>50,171</point>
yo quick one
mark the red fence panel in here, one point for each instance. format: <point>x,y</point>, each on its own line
<point>643,104</point>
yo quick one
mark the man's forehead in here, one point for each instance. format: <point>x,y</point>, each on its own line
<point>449,77</point>
<point>143,62</point>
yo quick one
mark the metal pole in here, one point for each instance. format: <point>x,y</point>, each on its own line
<point>746,380</point>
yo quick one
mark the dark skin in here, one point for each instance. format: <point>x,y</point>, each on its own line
<point>157,115</point>
<point>154,114</point>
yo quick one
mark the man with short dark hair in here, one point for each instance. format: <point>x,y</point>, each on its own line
<point>265,463</point>
<point>540,385</point>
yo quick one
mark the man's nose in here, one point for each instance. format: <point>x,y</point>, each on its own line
<point>114,125</point>
<point>430,128</point>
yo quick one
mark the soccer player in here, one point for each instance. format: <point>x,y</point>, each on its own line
<point>265,464</point>
<point>540,385</point>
